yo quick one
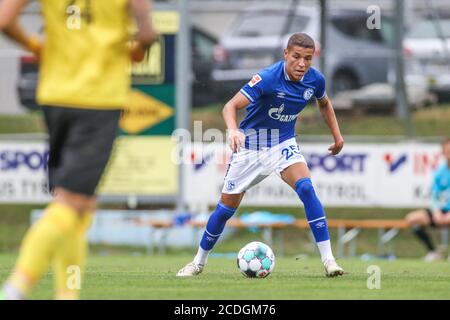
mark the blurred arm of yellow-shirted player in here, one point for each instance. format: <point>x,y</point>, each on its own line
<point>145,32</point>
<point>145,36</point>
<point>9,11</point>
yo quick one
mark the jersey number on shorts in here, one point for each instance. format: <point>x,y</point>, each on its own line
<point>75,14</point>
<point>289,152</point>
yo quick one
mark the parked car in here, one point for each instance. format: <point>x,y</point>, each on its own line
<point>424,44</point>
<point>202,63</point>
<point>27,82</point>
<point>356,55</point>
<point>203,44</point>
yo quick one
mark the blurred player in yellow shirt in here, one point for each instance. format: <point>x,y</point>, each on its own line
<point>83,84</point>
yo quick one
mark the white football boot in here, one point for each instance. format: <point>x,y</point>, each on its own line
<point>8,292</point>
<point>191,269</point>
<point>433,256</point>
<point>332,269</point>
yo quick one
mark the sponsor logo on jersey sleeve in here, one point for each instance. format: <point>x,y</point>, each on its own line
<point>256,78</point>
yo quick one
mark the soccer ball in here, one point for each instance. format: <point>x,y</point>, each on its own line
<point>256,260</point>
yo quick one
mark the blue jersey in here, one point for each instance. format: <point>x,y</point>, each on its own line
<point>440,191</point>
<point>275,103</point>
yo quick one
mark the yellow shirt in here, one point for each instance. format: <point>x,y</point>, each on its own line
<point>85,60</point>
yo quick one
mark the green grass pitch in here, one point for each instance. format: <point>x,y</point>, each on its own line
<point>153,277</point>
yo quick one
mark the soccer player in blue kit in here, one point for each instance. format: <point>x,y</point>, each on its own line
<point>265,142</point>
<point>438,213</point>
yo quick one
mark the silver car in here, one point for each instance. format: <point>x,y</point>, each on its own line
<point>356,55</point>
<point>424,44</point>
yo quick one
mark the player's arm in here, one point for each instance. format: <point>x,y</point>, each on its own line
<point>229,113</point>
<point>10,26</point>
<point>327,112</point>
<point>146,35</point>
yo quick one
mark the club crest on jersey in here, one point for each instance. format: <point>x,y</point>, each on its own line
<point>231,185</point>
<point>308,94</point>
<point>256,78</point>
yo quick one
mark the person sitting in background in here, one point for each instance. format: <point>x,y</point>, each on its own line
<point>437,215</point>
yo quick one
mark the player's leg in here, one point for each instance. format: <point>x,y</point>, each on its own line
<point>446,224</point>
<point>70,258</point>
<point>298,177</point>
<point>243,172</point>
<point>70,261</point>
<point>52,238</point>
<point>41,240</point>
<point>73,174</point>
<point>38,248</point>
<point>58,237</point>
<point>86,159</point>
<point>419,220</point>
<point>216,223</point>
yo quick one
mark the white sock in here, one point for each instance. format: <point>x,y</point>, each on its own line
<point>202,256</point>
<point>325,250</point>
<point>11,293</point>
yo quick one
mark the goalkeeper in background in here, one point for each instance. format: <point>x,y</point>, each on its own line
<point>83,85</point>
<point>438,215</point>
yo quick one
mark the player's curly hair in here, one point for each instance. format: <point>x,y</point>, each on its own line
<point>301,39</point>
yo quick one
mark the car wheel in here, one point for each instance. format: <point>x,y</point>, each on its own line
<point>344,81</point>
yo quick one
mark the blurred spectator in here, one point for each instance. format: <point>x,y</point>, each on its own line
<point>437,215</point>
